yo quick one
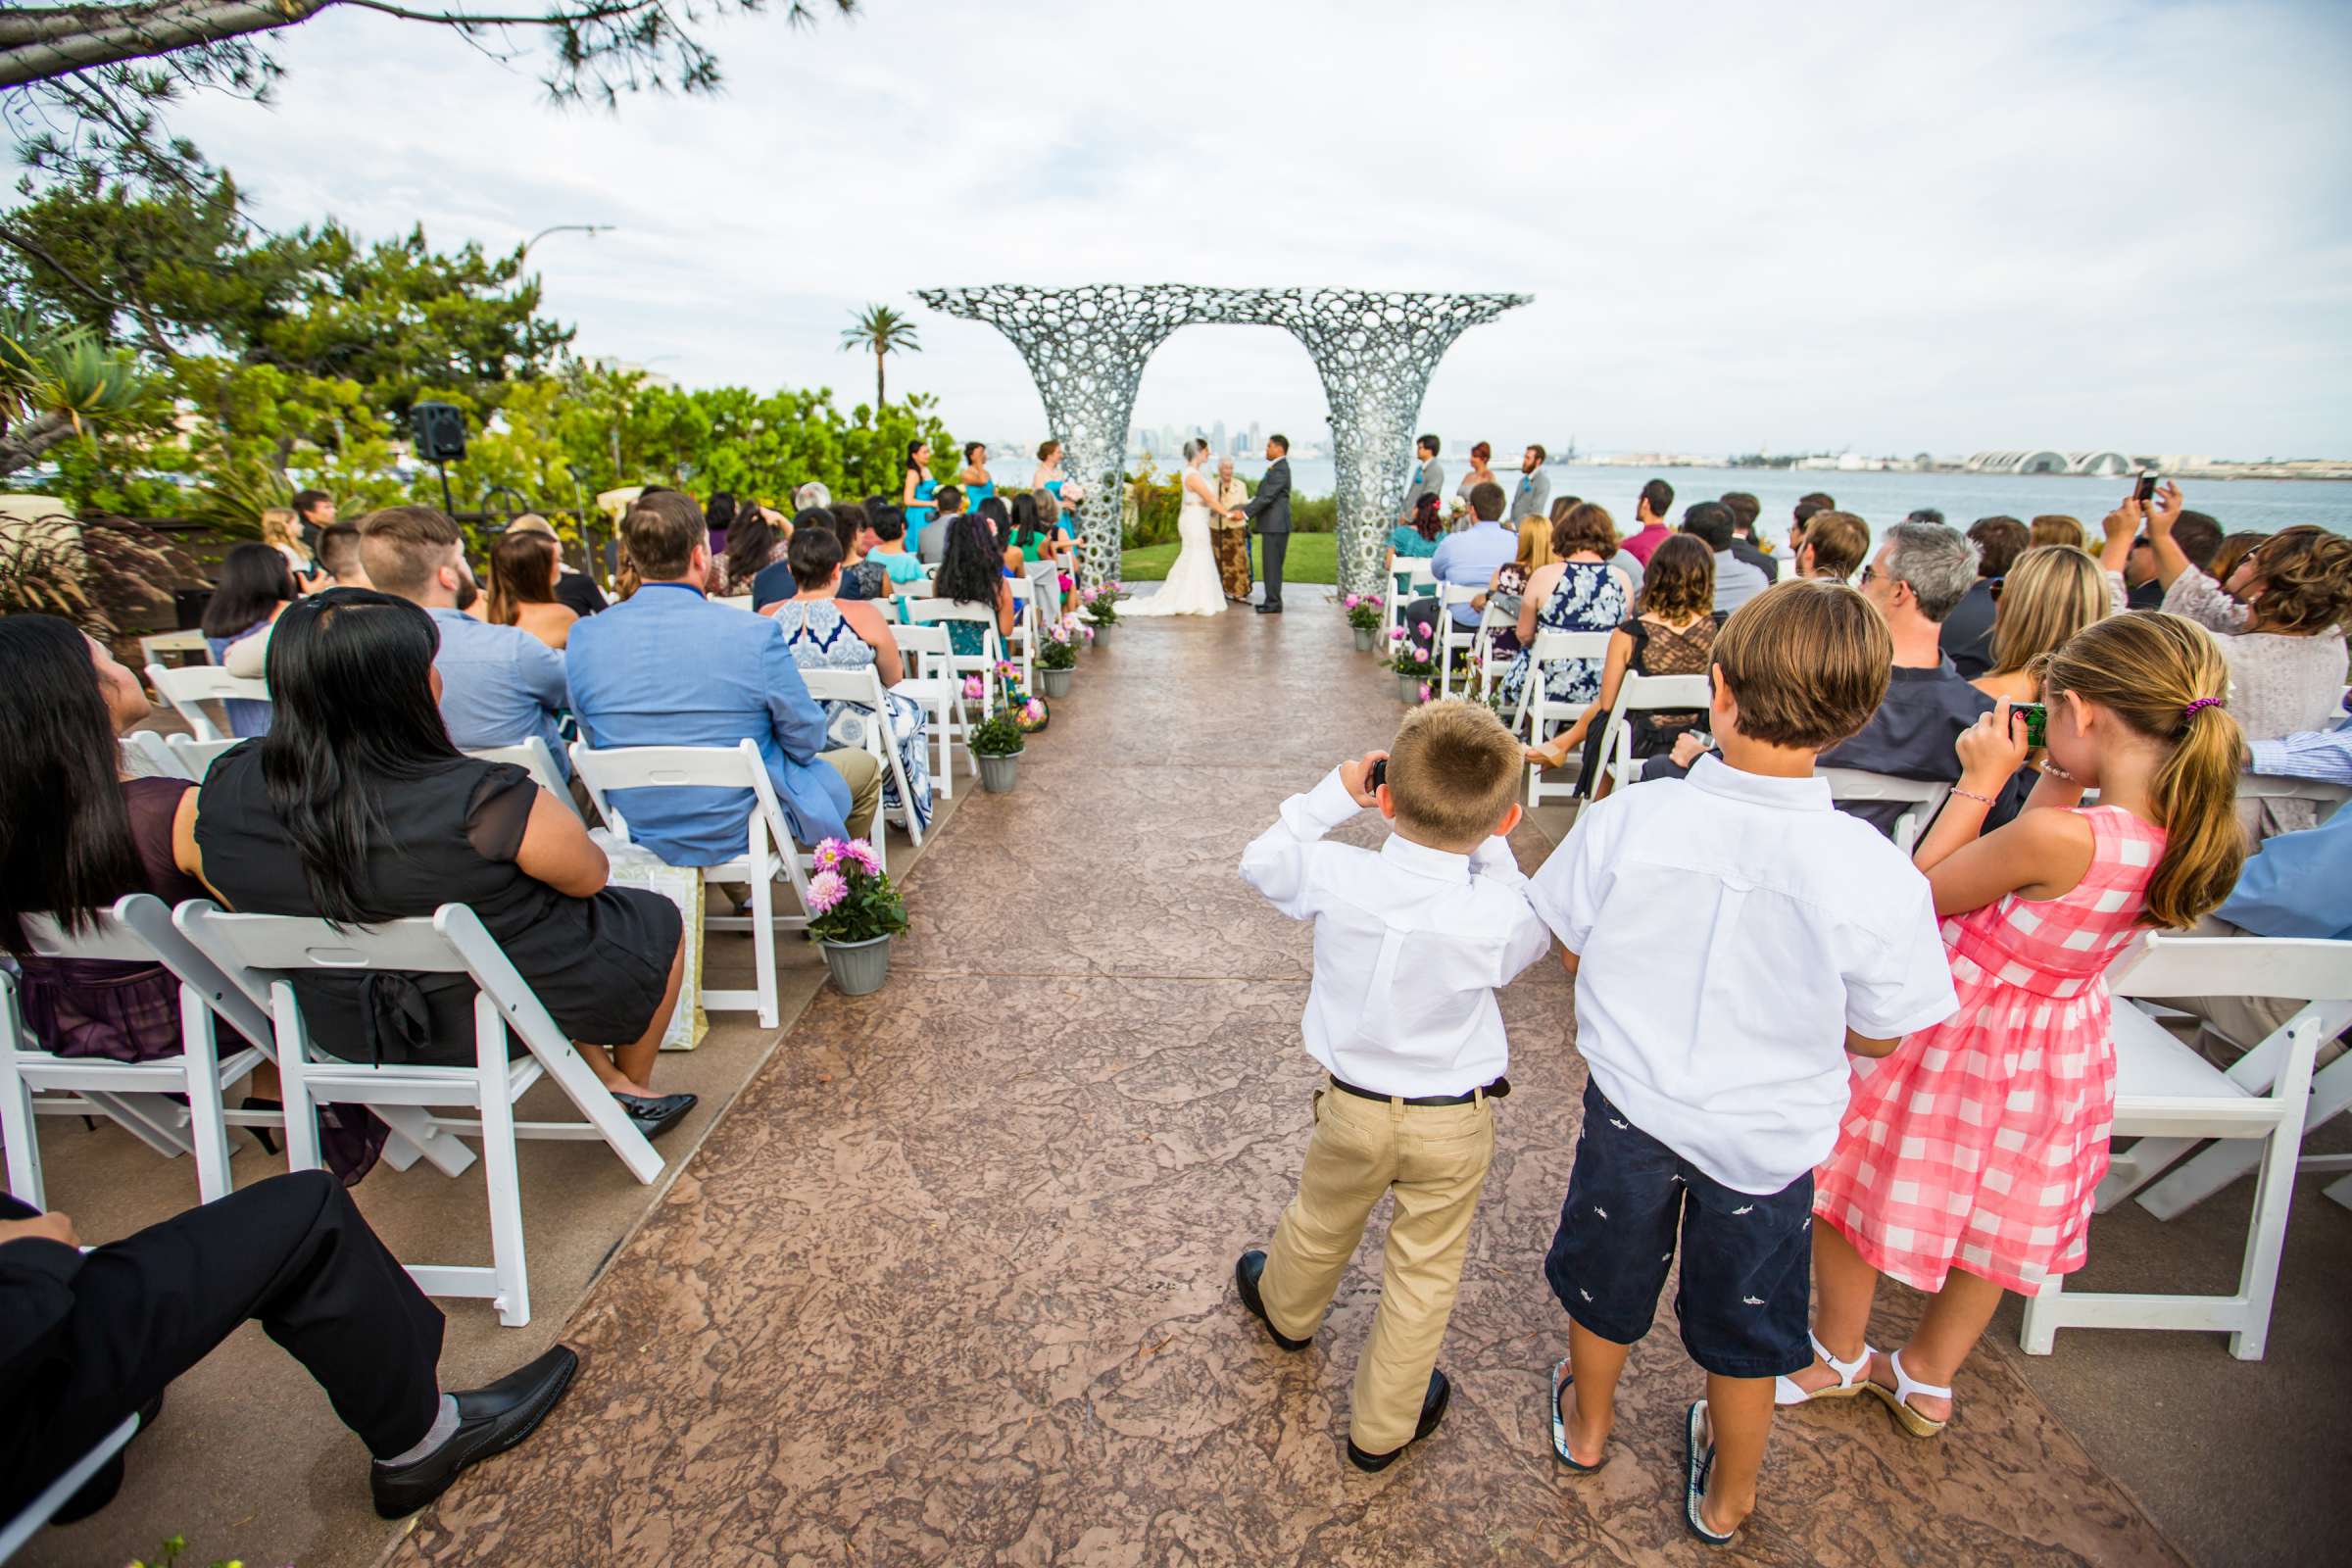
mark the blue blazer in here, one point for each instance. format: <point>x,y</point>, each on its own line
<point>667,667</point>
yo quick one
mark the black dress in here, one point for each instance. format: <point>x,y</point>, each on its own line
<point>600,964</point>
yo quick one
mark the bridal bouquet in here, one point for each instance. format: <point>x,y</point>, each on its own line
<point>1364,611</point>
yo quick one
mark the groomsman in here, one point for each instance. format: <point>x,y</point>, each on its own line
<point>1532,499</point>
<point>1429,477</point>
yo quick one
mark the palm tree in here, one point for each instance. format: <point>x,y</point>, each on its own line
<point>881,331</point>
<point>52,381</point>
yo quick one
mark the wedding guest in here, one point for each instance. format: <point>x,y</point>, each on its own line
<point>1834,548</point>
<point>500,685</point>
<point>1736,581</point>
<point>1718,1068</point>
<point>315,512</point>
<point>722,514</point>
<point>90,1335</point>
<point>973,574</point>
<point>1579,592</point>
<point>2200,540</point>
<point>625,666</point>
<point>522,588</point>
<point>890,547</point>
<point>1429,477</point>
<point>1968,1162</point>
<point>916,488</point>
<point>932,542</point>
<point>752,546</point>
<point>1467,560</point>
<point>1533,497</point>
<point>1506,594</point>
<point>1920,572</point>
<point>1806,506</point>
<point>860,578</point>
<point>1671,635</point>
<point>2231,552</point>
<point>2047,596</point>
<point>2279,622</point>
<point>1229,532</point>
<point>1745,509</point>
<point>1481,456</point>
<point>978,487</point>
<point>357,809</point>
<point>1649,521</point>
<point>1966,635</point>
<point>248,657</point>
<point>255,587</point>
<point>824,633</point>
<point>773,583</point>
<point>575,590</point>
<point>1416,1052</point>
<point>2057,528</point>
<point>281,532</point>
<point>997,518</point>
<point>1416,539</point>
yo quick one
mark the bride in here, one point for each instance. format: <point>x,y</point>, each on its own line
<point>1193,587</point>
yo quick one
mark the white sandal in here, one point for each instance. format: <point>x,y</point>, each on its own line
<point>1898,1399</point>
<point>1851,1378</point>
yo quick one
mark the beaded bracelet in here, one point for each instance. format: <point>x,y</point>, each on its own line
<point>1972,795</point>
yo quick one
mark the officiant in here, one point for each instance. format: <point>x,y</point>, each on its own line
<point>1231,533</point>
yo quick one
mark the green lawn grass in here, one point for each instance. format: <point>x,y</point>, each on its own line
<point>1312,558</point>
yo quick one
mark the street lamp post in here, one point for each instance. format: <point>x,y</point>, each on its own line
<point>589,229</point>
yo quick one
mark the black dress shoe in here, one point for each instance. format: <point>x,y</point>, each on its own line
<point>1433,1412</point>
<point>659,1114</point>
<point>1245,1272</point>
<point>490,1420</point>
<point>1274,609</point>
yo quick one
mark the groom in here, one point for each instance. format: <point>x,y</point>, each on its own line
<point>1269,511</point>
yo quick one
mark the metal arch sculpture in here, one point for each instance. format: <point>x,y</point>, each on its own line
<point>1086,348</point>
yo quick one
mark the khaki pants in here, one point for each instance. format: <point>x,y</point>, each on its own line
<point>1433,1158</point>
<point>862,770</point>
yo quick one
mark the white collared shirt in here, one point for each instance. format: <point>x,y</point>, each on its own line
<point>1410,943</point>
<point>1730,928</point>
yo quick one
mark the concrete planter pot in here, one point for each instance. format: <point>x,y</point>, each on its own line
<point>1057,682</point>
<point>997,774</point>
<point>1408,688</point>
<point>858,967</point>
<point>1103,630</point>
<point>1363,638</point>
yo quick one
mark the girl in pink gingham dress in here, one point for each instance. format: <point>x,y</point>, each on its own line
<point>1967,1161</point>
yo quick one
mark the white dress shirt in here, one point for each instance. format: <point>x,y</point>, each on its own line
<point>1410,943</point>
<point>1730,928</point>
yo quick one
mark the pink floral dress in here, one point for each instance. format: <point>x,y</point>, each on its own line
<point>1980,1142</point>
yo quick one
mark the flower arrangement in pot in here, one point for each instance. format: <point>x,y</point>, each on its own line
<point>1365,615</point>
<point>853,911</point>
<point>1058,659</point>
<point>1412,662</point>
<point>1100,605</point>
<point>999,743</point>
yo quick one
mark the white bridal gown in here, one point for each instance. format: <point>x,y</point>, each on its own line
<point>1193,587</point>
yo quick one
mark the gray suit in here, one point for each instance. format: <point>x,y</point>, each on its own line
<point>1269,513</point>
<point>1433,484</point>
<point>1533,498</point>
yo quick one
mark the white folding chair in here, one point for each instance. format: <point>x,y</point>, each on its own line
<point>1923,798</point>
<point>738,601</point>
<point>903,596</point>
<point>154,647</point>
<point>188,687</point>
<point>533,756</point>
<point>1537,713</point>
<point>768,844</point>
<point>1417,582</point>
<point>2274,787</point>
<point>863,689</point>
<point>270,948</point>
<point>145,754</point>
<point>135,1094</point>
<point>196,758</point>
<point>1639,693</point>
<point>1041,608</point>
<point>935,685</point>
<point>1453,637</point>
<point>29,1520</point>
<point>936,612</point>
<point>2165,1090</point>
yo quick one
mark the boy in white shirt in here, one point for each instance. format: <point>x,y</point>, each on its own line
<point>1733,937</point>
<point>1410,943</point>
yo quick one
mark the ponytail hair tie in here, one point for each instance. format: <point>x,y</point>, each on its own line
<point>2190,712</point>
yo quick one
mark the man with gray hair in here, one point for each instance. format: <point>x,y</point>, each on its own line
<point>1920,572</point>
<point>811,496</point>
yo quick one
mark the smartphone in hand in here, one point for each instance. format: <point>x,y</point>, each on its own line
<point>2145,492</point>
<point>2037,717</point>
<point>1378,776</point>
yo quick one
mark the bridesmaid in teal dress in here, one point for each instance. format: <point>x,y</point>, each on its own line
<point>1049,478</point>
<point>978,486</point>
<point>916,493</point>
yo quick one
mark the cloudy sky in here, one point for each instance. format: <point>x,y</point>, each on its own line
<point>1789,226</point>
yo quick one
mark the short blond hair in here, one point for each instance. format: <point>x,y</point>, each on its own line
<point>1453,772</point>
<point>1807,660</point>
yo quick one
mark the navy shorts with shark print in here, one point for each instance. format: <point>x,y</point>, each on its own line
<point>1747,1259</point>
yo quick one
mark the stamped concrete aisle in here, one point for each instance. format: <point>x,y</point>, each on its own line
<point>952,1282</point>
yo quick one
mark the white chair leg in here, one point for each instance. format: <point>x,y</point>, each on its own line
<point>2039,1333</point>
<point>207,1132</point>
<point>502,1174</point>
<point>2265,1240</point>
<point>2339,1192</point>
<point>897,772</point>
<point>16,1127</point>
<point>294,1080</point>
<point>2226,1162</point>
<point>764,940</point>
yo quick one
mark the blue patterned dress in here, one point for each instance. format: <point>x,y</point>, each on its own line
<point>821,638</point>
<point>1588,597</point>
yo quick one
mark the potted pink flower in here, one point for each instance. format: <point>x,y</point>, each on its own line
<point>853,911</point>
<point>1413,664</point>
<point>1365,618</point>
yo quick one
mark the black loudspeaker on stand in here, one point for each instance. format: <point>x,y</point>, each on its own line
<point>440,431</point>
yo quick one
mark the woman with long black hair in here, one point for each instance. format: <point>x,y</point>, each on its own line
<point>973,574</point>
<point>255,586</point>
<point>385,820</point>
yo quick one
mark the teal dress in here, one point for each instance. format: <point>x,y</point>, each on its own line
<point>1070,515</point>
<point>918,515</point>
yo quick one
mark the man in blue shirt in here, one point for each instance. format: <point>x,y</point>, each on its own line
<point>669,667</point>
<point>500,685</point>
<point>1468,558</point>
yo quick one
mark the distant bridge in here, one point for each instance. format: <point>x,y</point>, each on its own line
<point>2098,465</point>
